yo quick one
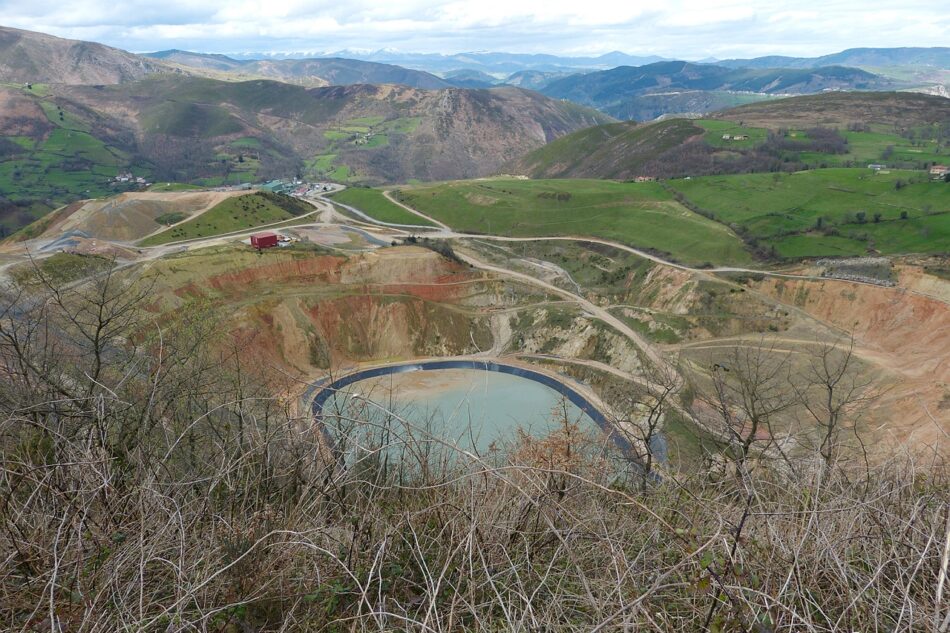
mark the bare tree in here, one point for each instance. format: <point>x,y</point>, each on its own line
<point>832,390</point>
<point>212,508</point>
<point>748,390</point>
<point>640,412</point>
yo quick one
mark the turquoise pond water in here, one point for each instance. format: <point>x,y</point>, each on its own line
<point>467,408</point>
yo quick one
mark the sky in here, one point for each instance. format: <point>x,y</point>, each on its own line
<point>684,29</point>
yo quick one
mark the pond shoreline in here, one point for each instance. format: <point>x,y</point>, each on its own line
<point>327,389</point>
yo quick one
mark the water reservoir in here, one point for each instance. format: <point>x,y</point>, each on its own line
<point>471,406</point>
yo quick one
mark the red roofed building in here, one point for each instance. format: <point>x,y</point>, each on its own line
<point>264,240</point>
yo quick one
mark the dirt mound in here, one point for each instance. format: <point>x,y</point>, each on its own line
<point>129,217</point>
<point>403,270</point>
<point>310,312</point>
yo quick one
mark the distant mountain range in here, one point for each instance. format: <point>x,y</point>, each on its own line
<point>938,57</point>
<point>617,84</point>
<point>500,64</point>
<point>323,71</point>
<point>489,62</point>
<point>630,91</point>
<point>647,92</point>
<point>310,72</point>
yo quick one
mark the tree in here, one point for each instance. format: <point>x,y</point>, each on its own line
<point>832,391</point>
<point>641,411</point>
<point>747,391</point>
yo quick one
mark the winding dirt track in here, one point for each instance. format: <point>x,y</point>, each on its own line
<point>388,195</point>
<point>325,215</point>
<point>593,310</point>
<point>448,233</point>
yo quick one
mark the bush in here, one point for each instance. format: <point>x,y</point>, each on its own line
<point>159,484</point>
<point>171,218</point>
<point>560,196</point>
<point>442,247</point>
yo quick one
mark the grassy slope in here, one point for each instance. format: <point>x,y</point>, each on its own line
<point>373,203</point>
<point>615,150</point>
<point>783,209</point>
<point>190,120</point>
<point>623,150</point>
<point>642,215</point>
<point>61,268</point>
<point>838,109</point>
<point>905,131</point>
<point>68,163</point>
<point>234,214</point>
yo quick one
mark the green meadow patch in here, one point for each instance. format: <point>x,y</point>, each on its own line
<point>373,203</point>
<point>234,214</point>
<point>643,215</point>
<point>716,130</point>
<point>829,211</point>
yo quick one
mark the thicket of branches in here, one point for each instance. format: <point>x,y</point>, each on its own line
<point>151,481</point>
<point>817,139</point>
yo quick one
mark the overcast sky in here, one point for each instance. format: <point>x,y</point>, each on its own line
<point>691,29</point>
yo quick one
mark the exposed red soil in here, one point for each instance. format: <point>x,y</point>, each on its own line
<point>371,306</point>
<point>325,269</point>
<point>906,335</point>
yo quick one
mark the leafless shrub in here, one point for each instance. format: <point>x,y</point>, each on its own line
<point>166,489</point>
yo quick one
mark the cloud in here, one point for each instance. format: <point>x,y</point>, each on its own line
<point>677,28</point>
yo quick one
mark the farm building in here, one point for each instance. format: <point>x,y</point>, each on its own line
<point>277,186</point>
<point>877,167</point>
<point>264,240</point>
<point>939,171</point>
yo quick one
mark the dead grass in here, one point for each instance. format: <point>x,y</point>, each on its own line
<point>150,480</point>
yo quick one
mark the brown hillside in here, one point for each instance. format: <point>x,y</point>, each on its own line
<point>131,216</point>
<point>838,109</point>
<point>904,334</point>
<point>456,133</point>
<point>26,56</point>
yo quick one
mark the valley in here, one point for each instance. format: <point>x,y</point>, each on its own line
<point>596,306</point>
<point>212,133</point>
<point>571,269</point>
<point>443,341</point>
